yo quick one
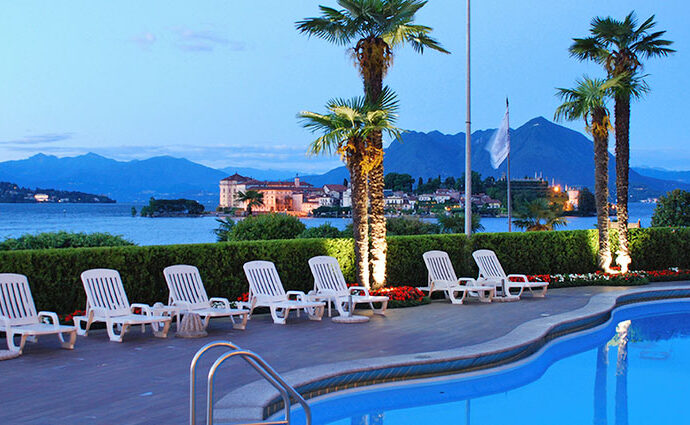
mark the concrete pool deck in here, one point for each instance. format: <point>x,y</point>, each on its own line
<point>145,380</point>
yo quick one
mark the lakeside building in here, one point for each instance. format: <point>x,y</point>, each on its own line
<point>291,197</point>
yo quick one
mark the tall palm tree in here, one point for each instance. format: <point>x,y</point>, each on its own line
<point>251,198</point>
<point>539,215</point>
<point>620,46</point>
<point>345,130</point>
<point>375,27</point>
<point>587,101</point>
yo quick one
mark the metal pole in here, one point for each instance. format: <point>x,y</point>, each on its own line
<point>510,211</point>
<point>468,141</point>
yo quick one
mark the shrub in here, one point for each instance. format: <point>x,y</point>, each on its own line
<point>455,223</point>
<point>410,226</point>
<point>63,240</point>
<point>323,231</point>
<point>673,209</point>
<point>268,226</point>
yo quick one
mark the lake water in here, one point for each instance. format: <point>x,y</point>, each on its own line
<point>19,219</point>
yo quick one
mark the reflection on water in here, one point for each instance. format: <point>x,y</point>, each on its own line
<point>637,375</point>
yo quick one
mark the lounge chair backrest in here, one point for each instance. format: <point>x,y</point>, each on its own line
<point>16,302</point>
<point>264,282</point>
<point>185,285</point>
<point>489,266</point>
<point>328,278</point>
<point>104,290</point>
<point>439,266</point>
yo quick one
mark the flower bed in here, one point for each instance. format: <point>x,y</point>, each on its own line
<point>631,278</point>
<point>402,296</point>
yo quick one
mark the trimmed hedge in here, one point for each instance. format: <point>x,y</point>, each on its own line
<point>55,282</point>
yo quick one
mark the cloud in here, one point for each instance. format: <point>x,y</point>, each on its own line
<point>204,40</point>
<point>144,40</point>
<point>37,139</point>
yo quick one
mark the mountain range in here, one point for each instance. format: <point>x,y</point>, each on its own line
<point>539,147</point>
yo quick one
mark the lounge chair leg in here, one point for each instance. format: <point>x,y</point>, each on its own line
<point>318,313</point>
<point>111,332</point>
<point>164,332</point>
<point>242,325</point>
<point>69,345</point>
<point>10,342</point>
<point>276,318</point>
<point>450,293</point>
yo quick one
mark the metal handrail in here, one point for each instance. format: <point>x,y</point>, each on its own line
<point>260,365</point>
<point>265,370</point>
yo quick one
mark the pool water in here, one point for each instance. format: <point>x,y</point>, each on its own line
<point>635,369</point>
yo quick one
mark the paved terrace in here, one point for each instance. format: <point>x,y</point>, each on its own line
<point>145,380</point>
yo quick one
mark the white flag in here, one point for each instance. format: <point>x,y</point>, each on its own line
<point>499,146</point>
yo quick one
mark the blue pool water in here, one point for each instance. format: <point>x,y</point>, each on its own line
<point>586,378</point>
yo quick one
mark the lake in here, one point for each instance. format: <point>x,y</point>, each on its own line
<point>19,219</point>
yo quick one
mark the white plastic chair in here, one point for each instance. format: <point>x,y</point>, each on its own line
<point>266,290</point>
<point>188,293</point>
<point>329,283</point>
<point>106,301</point>
<point>18,315</point>
<point>442,277</point>
<point>490,271</point>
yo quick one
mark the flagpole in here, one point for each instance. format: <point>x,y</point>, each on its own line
<point>468,141</point>
<point>510,211</point>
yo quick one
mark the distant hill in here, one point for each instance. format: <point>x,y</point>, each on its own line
<point>661,173</point>
<point>15,194</point>
<point>125,181</point>
<point>539,147</point>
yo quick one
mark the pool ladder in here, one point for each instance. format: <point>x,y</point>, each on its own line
<point>260,365</point>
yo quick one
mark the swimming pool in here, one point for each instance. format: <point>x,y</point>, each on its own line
<point>634,369</point>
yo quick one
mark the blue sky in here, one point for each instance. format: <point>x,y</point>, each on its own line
<point>220,82</point>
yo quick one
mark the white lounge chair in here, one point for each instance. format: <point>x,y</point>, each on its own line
<point>442,277</point>
<point>18,315</point>
<point>188,293</point>
<point>106,301</point>
<point>329,284</point>
<point>490,271</point>
<point>266,290</point>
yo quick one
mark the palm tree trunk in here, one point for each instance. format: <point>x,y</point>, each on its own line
<point>622,114</point>
<point>360,222</point>
<point>372,61</point>
<point>601,191</point>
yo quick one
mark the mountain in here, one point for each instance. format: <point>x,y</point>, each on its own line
<point>661,173</point>
<point>125,181</point>
<point>539,147</point>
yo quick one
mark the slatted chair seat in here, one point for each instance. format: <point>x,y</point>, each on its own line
<point>442,277</point>
<point>491,272</point>
<point>329,284</point>
<point>187,292</point>
<point>266,290</point>
<point>106,301</point>
<point>18,315</point>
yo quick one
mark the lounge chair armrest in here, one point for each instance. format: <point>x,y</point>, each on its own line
<point>467,281</point>
<point>359,288</point>
<point>182,305</point>
<point>145,308</point>
<point>299,295</point>
<point>224,301</point>
<point>53,317</point>
<point>98,311</point>
<point>5,323</point>
<point>522,277</point>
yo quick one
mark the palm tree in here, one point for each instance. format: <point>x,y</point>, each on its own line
<point>587,101</point>
<point>538,215</point>
<point>620,46</point>
<point>345,130</point>
<point>375,27</point>
<point>251,198</point>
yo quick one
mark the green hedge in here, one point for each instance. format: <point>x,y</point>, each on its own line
<point>55,282</point>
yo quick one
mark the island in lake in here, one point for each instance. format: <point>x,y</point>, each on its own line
<point>12,193</point>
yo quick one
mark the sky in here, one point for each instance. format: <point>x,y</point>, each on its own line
<point>220,81</point>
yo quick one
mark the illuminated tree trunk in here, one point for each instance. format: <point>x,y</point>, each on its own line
<point>373,59</point>
<point>600,386</point>
<point>622,116</point>
<point>601,186</point>
<point>622,374</point>
<point>360,215</point>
